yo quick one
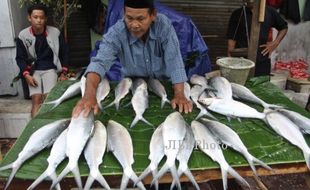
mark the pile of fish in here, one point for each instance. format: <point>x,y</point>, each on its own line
<point>173,139</point>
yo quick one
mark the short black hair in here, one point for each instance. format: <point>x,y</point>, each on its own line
<point>38,6</point>
<point>139,4</point>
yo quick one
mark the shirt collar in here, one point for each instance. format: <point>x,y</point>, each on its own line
<point>133,39</point>
<point>32,31</point>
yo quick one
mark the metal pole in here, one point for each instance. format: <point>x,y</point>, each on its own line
<point>65,21</point>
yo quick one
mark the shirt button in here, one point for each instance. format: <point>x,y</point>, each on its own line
<point>147,60</point>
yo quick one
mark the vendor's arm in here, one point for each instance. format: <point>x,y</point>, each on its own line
<point>89,100</point>
<point>231,44</point>
<point>180,100</point>
<point>271,46</point>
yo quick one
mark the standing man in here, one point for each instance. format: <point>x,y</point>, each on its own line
<point>41,55</point>
<point>238,34</point>
<point>146,45</point>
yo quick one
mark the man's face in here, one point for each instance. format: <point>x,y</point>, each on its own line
<point>138,21</point>
<point>37,19</point>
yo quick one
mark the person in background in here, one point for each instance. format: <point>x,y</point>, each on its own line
<point>146,45</point>
<point>238,34</point>
<point>41,54</point>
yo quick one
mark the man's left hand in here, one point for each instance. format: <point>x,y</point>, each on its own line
<point>269,47</point>
<point>183,104</point>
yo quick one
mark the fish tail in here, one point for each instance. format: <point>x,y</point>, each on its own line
<point>13,172</point>
<point>38,180</point>
<point>224,177</point>
<point>89,182</point>
<point>154,172</point>
<point>237,176</point>
<point>6,167</point>
<point>77,177</point>
<point>163,101</point>
<point>61,175</point>
<point>53,177</point>
<point>261,163</point>
<point>144,174</point>
<point>190,176</point>
<point>161,172</point>
<point>96,175</point>
<point>111,104</point>
<point>124,182</point>
<point>272,106</point>
<point>102,181</point>
<point>134,178</point>
<point>307,157</point>
<point>172,184</point>
<point>175,176</point>
<point>135,121</point>
<point>205,112</point>
<point>250,161</point>
<point>100,106</point>
<point>55,104</point>
<point>147,122</point>
<point>117,105</point>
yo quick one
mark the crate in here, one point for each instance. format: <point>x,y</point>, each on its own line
<point>296,85</point>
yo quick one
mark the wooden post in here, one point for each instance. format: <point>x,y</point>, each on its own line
<point>262,8</point>
<point>254,36</point>
<point>65,21</point>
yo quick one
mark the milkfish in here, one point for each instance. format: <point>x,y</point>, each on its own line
<point>301,121</point>
<point>57,155</point>
<point>230,138</point>
<point>196,92</point>
<point>173,131</point>
<point>202,81</point>
<point>208,144</point>
<point>79,131</point>
<point>184,155</point>
<point>156,154</point>
<point>140,102</point>
<point>121,90</point>
<point>40,139</point>
<point>102,91</point>
<point>156,87</point>
<point>231,108</point>
<point>242,92</point>
<point>71,91</point>
<point>93,153</point>
<point>120,144</point>
<point>287,129</point>
<point>222,87</point>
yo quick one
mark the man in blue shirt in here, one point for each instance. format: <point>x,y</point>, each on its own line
<point>146,45</point>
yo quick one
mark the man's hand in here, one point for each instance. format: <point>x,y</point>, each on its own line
<point>180,100</point>
<point>31,81</point>
<point>87,105</point>
<point>269,47</point>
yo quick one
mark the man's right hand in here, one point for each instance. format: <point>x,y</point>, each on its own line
<point>86,104</point>
<point>31,81</point>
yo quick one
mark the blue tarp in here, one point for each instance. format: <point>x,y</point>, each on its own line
<point>193,48</point>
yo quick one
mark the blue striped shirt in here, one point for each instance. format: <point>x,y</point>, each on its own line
<point>159,56</point>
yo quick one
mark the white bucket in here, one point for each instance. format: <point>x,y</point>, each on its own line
<point>235,69</point>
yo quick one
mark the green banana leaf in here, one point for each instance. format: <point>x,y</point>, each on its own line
<point>260,139</point>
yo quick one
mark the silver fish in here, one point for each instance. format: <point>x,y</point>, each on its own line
<point>205,140</point>
<point>93,153</point>
<point>156,87</point>
<point>71,91</point>
<point>173,131</point>
<point>156,154</point>
<point>301,121</point>
<point>196,91</point>
<point>39,140</point>
<point>199,80</point>
<point>120,144</point>
<point>242,92</point>
<point>140,103</point>
<point>222,87</point>
<point>57,155</point>
<point>230,138</point>
<point>138,83</point>
<point>79,131</point>
<point>184,155</point>
<point>121,91</point>
<point>102,91</point>
<point>287,129</point>
<point>231,108</point>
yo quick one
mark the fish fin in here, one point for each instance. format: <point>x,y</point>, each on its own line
<point>102,181</point>
<point>144,173</point>
<point>77,177</point>
<point>60,177</point>
<point>111,104</point>
<point>90,180</point>
<point>161,172</point>
<point>13,172</point>
<point>190,176</point>
<point>117,105</point>
<point>124,182</point>
<point>38,180</point>
<point>237,176</point>
<point>147,122</point>
<point>134,178</point>
<point>6,167</point>
<point>272,106</point>
<point>128,104</point>
<point>261,163</point>
<point>224,177</point>
<point>175,176</point>
<point>135,121</point>
<point>55,104</point>
<point>100,106</point>
<point>239,120</point>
